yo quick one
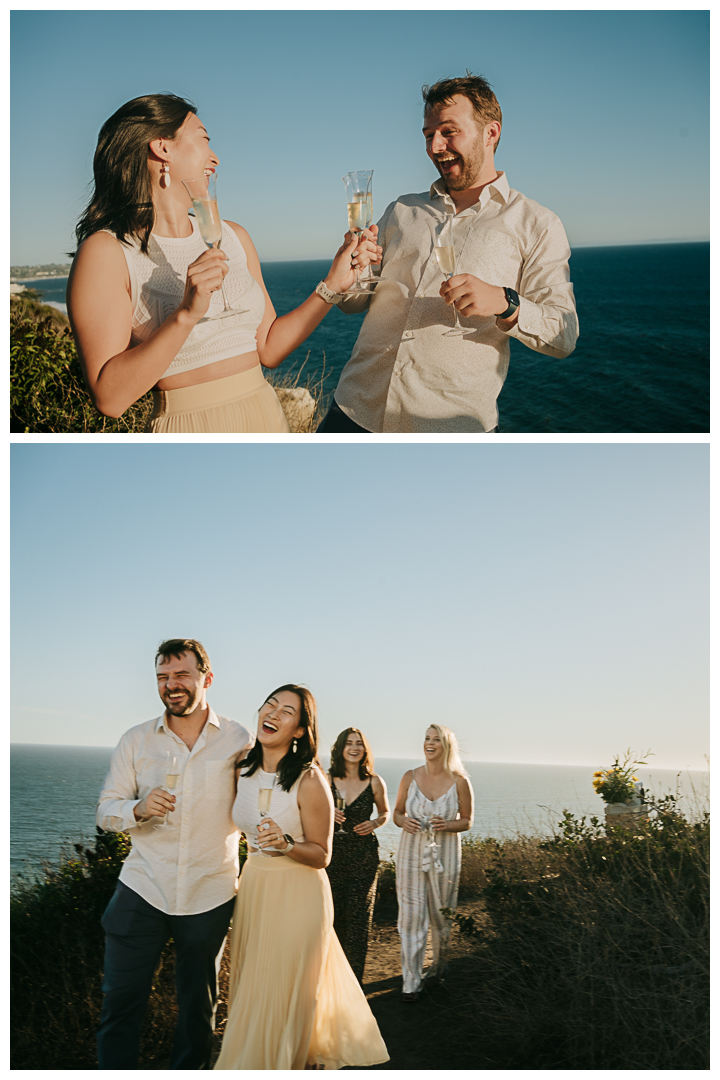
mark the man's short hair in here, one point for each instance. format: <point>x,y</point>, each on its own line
<point>476,89</point>
<point>177,646</point>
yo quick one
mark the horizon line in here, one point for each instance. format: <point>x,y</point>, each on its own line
<point>582,244</point>
<point>393,757</point>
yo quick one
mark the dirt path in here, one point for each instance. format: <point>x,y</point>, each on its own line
<point>431,1032</point>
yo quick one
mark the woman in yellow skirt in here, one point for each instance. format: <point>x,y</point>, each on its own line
<point>294,1001</point>
<point>143,280</point>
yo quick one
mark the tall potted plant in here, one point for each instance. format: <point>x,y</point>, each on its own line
<point>621,791</point>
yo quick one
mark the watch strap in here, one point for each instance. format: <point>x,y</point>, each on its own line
<point>513,302</point>
<point>327,294</point>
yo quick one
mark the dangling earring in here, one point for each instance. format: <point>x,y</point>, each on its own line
<point>294,746</point>
<point>165,180</point>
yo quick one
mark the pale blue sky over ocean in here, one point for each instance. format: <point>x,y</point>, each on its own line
<point>606,113</point>
<point>546,602</point>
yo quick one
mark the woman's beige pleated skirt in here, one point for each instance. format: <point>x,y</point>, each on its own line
<point>293,999</point>
<point>241,403</point>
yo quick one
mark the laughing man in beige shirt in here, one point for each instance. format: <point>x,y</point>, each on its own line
<point>512,280</point>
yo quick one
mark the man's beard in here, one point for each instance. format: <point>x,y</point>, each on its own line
<point>471,169</point>
<point>180,708</point>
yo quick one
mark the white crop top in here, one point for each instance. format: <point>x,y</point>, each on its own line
<point>283,806</point>
<point>158,285</point>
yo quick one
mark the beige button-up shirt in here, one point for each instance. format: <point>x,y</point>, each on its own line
<point>191,866</point>
<point>403,375</point>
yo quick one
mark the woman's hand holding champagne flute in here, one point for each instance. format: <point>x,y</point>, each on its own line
<point>203,193</point>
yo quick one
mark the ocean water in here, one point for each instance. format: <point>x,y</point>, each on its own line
<point>54,791</point>
<point>641,363</point>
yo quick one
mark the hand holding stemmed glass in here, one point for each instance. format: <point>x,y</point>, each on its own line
<point>358,191</point>
<point>173,768</point>
<point>203,192</point>
<point>444,246</point>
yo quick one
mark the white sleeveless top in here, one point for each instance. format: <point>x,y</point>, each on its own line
<point>283,806</point>
<point>158,285</point>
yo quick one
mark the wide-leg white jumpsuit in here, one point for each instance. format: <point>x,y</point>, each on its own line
<point>428,874</point>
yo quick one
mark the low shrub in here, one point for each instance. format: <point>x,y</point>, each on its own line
<point>48,392</point>
<point>47,389</point>
<point>595,951</point>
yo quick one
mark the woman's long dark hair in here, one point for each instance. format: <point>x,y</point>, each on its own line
<point>290,767</point>
<point>338,765</point>
<point>122,199</point>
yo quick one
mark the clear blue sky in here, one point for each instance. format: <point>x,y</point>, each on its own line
<point>606,113</point>
<point>546,602</point>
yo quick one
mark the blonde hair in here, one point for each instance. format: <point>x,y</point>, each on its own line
<point>451,752</point>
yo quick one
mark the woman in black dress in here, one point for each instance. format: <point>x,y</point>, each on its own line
<point>354,867</point>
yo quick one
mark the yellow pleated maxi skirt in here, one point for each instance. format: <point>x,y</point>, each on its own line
<point>242,403</point>
<point>293,999</point>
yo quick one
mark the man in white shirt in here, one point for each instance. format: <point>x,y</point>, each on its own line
<point>406,374</point>
<point>179,880</point>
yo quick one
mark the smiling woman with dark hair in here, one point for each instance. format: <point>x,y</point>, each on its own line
<point>143,280</point>
<point>294,1001</point>
<point>353,870</point>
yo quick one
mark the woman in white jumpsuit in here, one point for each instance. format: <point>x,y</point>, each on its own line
<point>434,805</point>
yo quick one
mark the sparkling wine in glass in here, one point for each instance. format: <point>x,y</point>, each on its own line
<point>359,206</point>
<point>445,255</point>
<point>172,775</point>
<point>203,192</point>
<point>341,804</point>
<point>364,181</point>
<point>264,800</point>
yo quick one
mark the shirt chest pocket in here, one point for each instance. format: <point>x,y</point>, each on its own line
<point>219,777</point>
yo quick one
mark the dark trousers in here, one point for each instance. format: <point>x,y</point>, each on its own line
<point>135,936</point>
<point>337,422</point>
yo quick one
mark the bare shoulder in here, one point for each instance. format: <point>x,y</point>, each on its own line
<point>378,784</point>
<point>243,236</point>
<point>463,784</point>
<point>98,259</point>
<point>100,246</point>
<point>314,783</point>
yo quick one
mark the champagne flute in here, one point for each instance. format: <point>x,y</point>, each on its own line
<point>445,255</point>
<point>203,192</point>
<point>172,775</point>
<point>364,184</point>
<point>359,204</point>
<point>341,804</point>
<point>264,800</point>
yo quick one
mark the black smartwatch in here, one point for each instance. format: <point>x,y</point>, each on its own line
<point>513,301</point>
<point>289,841</point>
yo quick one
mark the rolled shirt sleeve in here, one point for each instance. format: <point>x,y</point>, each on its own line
<point>119,795</point>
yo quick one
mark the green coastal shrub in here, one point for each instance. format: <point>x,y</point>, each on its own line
<point>56,956</point>
<point>47,390</point>
<point>595,950</point>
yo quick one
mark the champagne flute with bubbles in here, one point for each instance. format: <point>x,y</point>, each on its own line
<point>445,255</point>
<point>358,191</point>
<point>264,800</point>
<point>203,192</point>
<point>172,775</point>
